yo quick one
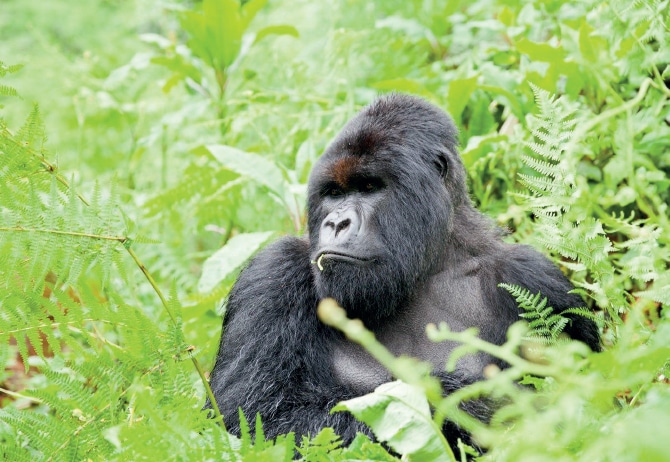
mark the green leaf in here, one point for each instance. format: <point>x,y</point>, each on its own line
<point>230,257</point>
<point>9,68</point>
<point>541,51</point>
<point>250,9</point>
<point>399,415</point>
<point>254,166</point>
<point>282,29</point>
<point>224,29</point>
<point>460,91</point>
<point>586,45</point>
<point>508,98</point>
<point>506,16</point>
<point>216,31</point>
<point>6,90</point>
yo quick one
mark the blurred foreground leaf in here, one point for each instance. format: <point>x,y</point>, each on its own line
<point>399,415</point>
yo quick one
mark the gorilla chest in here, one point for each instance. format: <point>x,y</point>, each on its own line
<point>457,301</point>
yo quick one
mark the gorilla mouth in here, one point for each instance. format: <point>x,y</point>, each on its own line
<point>338,256</point>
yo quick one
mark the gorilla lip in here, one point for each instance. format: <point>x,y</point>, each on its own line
<point>337,256</point>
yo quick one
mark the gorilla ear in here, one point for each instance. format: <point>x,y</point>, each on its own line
<point>442,164</point>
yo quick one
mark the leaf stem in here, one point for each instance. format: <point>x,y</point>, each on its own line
<point>121,239</point>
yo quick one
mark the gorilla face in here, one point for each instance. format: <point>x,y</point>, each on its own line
<point>379,206</point>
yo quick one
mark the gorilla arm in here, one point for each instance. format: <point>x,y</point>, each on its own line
<point>273,357</point>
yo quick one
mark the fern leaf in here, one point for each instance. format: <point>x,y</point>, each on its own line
<point>6,90</point>
<point>259,441</point>
<point>245,433</point>
<point>543,323</point>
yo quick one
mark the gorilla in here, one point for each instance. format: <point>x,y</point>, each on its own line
<point>394,238</point>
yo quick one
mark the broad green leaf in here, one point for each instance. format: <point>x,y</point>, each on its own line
<point>256,167</point>
<point>194,23</point>
<point>230,257</point>
<point>479,146</point>
<point>399,415</point>
<point>216,31</point>
<point>460,91</point>
<point>590,44</point>
<point>224,30</point>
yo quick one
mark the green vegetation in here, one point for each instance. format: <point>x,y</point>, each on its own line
<point>173,140</point>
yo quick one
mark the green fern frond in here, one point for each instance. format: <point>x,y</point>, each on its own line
<point>547,149</point>
<point>22,424</point>
<point>553,193</point>
<point>9,68</point>
<point>47,228</point>
<point>539,185</point>
<point>544,324</point>
<point>59,256</point>
<point>552,130</point>
<point>197,182</point>
<point>32,133</point>
<point>171,264</point>
<point>583,312</point>
<point>245,433</point>
<point>259,439</point>
<point>564,248</point>
<point>6,90</point>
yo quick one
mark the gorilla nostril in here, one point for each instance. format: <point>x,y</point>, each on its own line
<point>344,224</point>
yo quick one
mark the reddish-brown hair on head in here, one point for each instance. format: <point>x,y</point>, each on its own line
<point>343,169</point>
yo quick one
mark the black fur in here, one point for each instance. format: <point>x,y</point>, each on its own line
<point>398,244</point>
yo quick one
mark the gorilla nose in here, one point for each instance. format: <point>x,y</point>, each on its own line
<point>339,227</point>
<point>344,224</point>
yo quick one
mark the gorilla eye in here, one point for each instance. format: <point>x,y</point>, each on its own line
<point>442,166</point>
<point>335,192</point>
<point>370,185</point>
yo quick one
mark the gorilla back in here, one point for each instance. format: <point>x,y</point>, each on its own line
<point>395,239</point>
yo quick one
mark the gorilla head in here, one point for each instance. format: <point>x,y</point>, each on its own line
<point>374,235</point>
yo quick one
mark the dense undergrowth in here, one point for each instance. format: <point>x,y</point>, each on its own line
<point>173,140</point>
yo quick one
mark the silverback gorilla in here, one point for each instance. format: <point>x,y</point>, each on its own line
<point>398,245</point>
